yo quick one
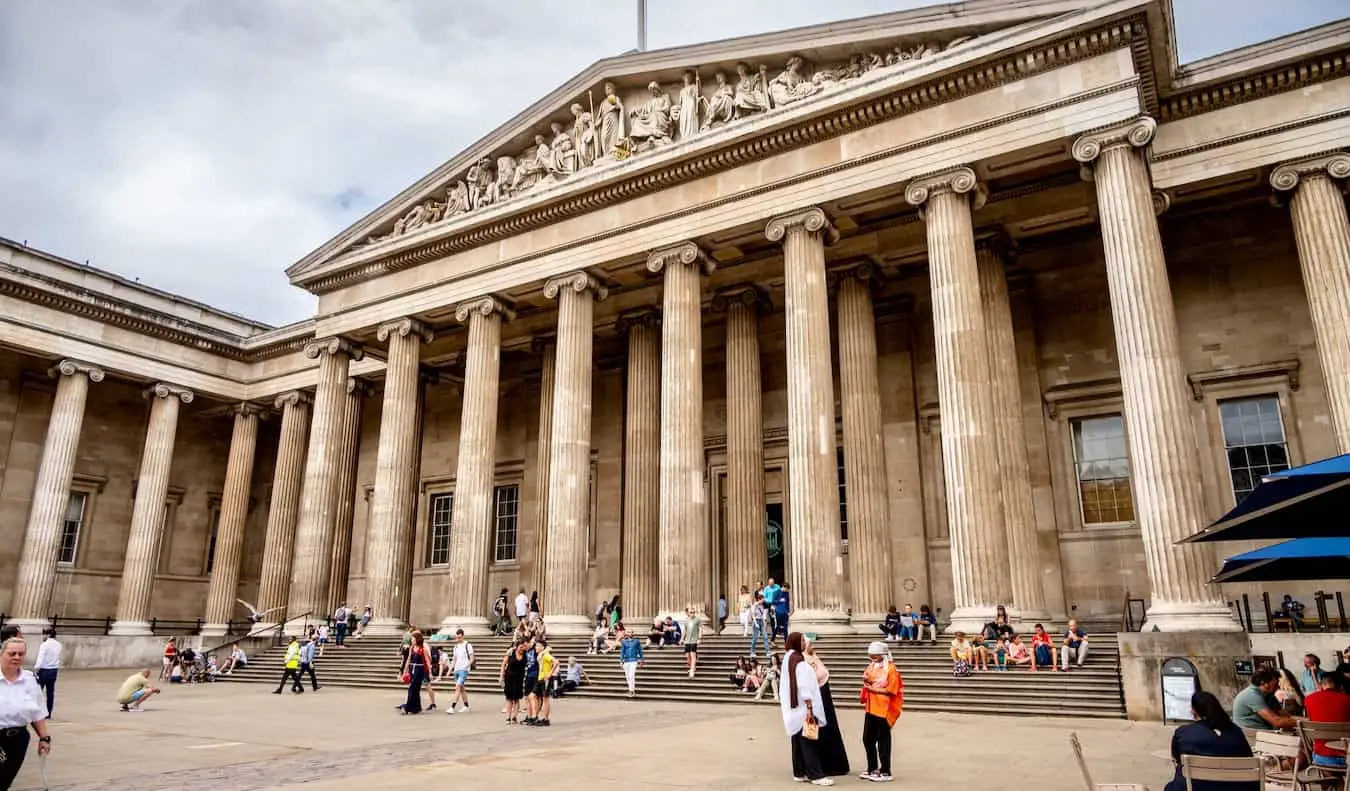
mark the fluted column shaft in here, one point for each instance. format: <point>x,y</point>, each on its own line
<point>1168,499</point>
<point>147,515</point>
<point>684,545</point>
<point>471,536</point>
<point>1322,232</point>
<point>869,541</point>
<point>51,495</point>
<point>1019,512</point>
<point>221,591</point>
<point>642,468</point>
<point>543,459</point>
<point>979,547</point>
<point>389,545</point>
<point>274,587</point>
<point>566,598</point>
<point>747,552</point>
<point>318,493</point>
<point>817,564</point>
<point>349,456</point>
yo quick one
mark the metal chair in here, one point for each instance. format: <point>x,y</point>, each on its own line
<point>1271,746</point>
<point>1309,775</point>
<point>1223,770</point>
<point>1087,776</point>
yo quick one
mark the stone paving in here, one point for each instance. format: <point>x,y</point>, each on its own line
<point>243,738</point>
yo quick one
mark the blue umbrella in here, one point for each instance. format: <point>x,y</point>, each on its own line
<point>1299,559</point>
<point>1308,501</point>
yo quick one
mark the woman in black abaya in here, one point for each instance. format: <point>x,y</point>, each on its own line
<point>833,756</point>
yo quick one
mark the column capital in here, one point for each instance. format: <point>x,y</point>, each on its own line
<point>1287,176</point>
<point>250,409</point>
<point>293,398</point>
<point>359,387</point>
<point>72,367</point>
<point>166,390</point>
<point>958,181</point>
<point>866,271</point>
<point>640,317</point>
<point>540,343</point>
<point>578,281</point>
<point>1136,133</point>
<point>483,306</point>
<point>402,328</point>
<point>813,219</point>
<point>997,241</point>
<point>749,295</point>
<point>682,253</point>
<point>1162,201</point>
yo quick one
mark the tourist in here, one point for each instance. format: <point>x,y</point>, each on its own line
<point>307,662</point>
<point>237,659</point>
<point>927,621</point>
<point>630,658</point>
<point>416,673</point>
<point>291,668</point>
<point>10,631</point>
<point>615,611</point>
<point>1289,695</point>
<point>803,711</point>
<point>830,745</point>
<point>602,613</point>
<point>1001,654</point>
<point>907,624</point>
<point>782,608</point>
<point>47,664</point>
<point>1042,648</point>
<point>979,654</point>
<point>405,645</point>
<point>21,707</point>
<point>883,696</point>
<point>744,601</point>
<point>759,624</point>
<point>462,663</point>
<point>322,637</point>
<point>548,676</point>
<point>671,632</point>
<point>693,627</point>
<point>1331,703</point>
<point>1255,706</point>
<point>598,639</point>
<point>512,678</point>
<point>657,633</point>
<point>721,613</point>
<point>890,626</point>
<point>1292,609</point>
<point>769,678</point>
<point>1311,680</point>
<point>738,673</point>
<point>531,682</point>
<point>170,651</point>
<point>1213,735</point>
<point>1018,654</point>
<point>770,592</point>
<point>340,616</point>
<point>756,673</point>
<point>535,612</point>
<point>573,678</point>
<point>501,621</point>
<point>612,638</point>
<point>1075,646</point>
<point>135,691</point>
<point>522,606</point>
<point>176,672</point>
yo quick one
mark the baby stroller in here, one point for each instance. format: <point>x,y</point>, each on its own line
<point>197,668</point>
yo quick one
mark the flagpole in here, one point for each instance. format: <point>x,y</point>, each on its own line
<point>642,25</point>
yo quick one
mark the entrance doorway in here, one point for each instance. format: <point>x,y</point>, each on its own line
<point>773,535</point>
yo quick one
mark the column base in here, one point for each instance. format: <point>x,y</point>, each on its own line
<point>385,627</point>
<point>215,629</point>
<point>971,620</point>
<point>473,626</point>
<point>1189,617</point>
<point>832,622</point>
<point>29,627</point>
<point>130,629</point>
<point>868,624</point>
<point>568,624</point>
<point>1025,620</point>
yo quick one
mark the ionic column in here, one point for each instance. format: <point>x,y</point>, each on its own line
<point>869,541</point>
<point>1010,436</point>
<point>816,564</point>
<point>1322,232</point>
<point>390,542</point>
<point>566,598</point>
<point>349,456</point>
<point>747,552</point>
<point>1168,500</point>
<point>547,350</point>
<point>147,514</point>
<point>969,445</point>
<point>683,547</point>
<point>318,493</point>
<point>274,587</point>
<point>224,585</point>
<point>471,536</point>
<point>642,466</point>
<point>51,496</point>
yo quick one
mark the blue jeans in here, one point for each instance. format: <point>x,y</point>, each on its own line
<point>1329,760</point>
<point>757,635</point>
<point>907,633</point>
<point>46,679</point>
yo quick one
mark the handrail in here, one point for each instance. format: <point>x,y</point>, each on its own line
<point>1127,623</point>
<point>274,631</point>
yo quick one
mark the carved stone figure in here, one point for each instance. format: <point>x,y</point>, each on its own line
<point>752,92</point>
<point>477,179</point>
<point>457,199</point>
<point>722,105</point>
<point>584,139</point>
<point>686,112</point>
<point>830,76</point>
<point>650,124</point>
<point>791,85</point>
<point>421,215</point>
<point>565,159</point>
<point>506,172</point>
<point>613,122</point>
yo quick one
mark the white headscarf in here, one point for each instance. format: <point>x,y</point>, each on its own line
<point>794,717</point>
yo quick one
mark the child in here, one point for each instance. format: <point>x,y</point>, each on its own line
<point>1042,649</point>
<point>1001,654</point>
<point>907,632</point>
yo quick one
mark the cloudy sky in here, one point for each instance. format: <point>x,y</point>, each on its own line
<point>203,146</point>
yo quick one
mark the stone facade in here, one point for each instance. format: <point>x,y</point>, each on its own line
<point>990,318</point>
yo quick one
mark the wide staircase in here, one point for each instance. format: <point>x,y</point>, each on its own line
<point>1091,691</point>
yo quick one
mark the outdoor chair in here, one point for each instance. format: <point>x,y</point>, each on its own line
<point>1271,747</point>
<point>1307,775</point>
<point>1223,770</point>
<point>1087,776</point>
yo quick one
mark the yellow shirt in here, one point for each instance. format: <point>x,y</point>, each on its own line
<point>547,664</point>
<point>130,687</point>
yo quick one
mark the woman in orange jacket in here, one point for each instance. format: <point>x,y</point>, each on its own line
<point>883,696</point>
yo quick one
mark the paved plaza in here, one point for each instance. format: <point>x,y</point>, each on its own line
<point>241,737</point>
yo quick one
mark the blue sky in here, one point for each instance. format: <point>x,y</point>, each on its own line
<point>205,145</point>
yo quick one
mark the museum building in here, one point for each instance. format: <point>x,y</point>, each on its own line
<point>982,303</point>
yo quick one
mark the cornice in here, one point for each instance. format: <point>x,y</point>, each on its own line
<point>1286,77</point>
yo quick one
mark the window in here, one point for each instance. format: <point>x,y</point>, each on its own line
<point>1103,468</point>
<point>843,496</point>
<point>438,546</point>
<point>70,532</point>
<point>506,512</point>
<point>214,519</point>
<point>1253,437</point>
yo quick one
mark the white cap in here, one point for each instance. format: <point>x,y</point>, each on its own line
<point>877,648</point>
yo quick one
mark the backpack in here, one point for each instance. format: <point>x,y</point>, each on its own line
<point>961,669</point>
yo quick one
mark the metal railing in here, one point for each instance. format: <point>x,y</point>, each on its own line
<point>1128,620</point>
<point>275,634</point>
<point>1322,619</point>
<point>103,626</point>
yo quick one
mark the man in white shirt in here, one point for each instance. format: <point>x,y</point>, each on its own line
<point>522,606</point>
<point>462,664</point>
<point>46,665</point>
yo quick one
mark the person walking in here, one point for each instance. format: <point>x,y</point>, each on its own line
<point>744,601</point>
<point>307,657</point>
<point>693,627</point>
<point>461,664</point>
<point>630,658</point>
<point>883,697</point>
<point>782,608</point>
<point>501,620</point>
<point>512,678</point>
<point>340,616</point>
<point>830,745</point>
<point>536,613</point>
<point>543,688</point>
<point>47,664</point>
<point>292,668</point>
<point>803,713</point>
<point>522,607</point>
<point>416,672</point>
<point>21,707</point>
<point>170,651</point>
<point>759,625</point>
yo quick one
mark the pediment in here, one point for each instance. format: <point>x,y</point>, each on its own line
<point>622,110</point>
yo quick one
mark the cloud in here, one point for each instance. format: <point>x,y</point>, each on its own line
<point>205,145</point>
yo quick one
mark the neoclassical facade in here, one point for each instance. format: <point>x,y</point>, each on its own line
<point>974,304</point>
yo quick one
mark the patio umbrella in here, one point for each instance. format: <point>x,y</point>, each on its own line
<point>1299,559</point>
<point>1300,502</point>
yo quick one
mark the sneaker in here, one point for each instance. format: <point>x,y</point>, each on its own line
<point>544,723</point>
<point>799,779</point>
<point>452,711</point>
<point>125,707</point>
<point>824,781</point>
<point>882,778</point>
<point>432,707</point>
<point>135,709</point>
<point>867,776</point>
<point>465,708</point>
<point>691,674</point>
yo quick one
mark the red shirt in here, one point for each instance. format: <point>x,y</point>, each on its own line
<point>1041,639</point>
<point>1327,705</point>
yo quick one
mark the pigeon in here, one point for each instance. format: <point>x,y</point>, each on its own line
<point>253,615</point>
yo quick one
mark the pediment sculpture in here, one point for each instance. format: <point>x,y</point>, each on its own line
<point>613,129</point>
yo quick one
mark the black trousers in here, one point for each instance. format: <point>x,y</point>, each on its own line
<point>14,745</point>
<point>46,679</point>
<point>806,758</point>
<point>292,673</point>
<point>877,743</point>
<point>305,667</point>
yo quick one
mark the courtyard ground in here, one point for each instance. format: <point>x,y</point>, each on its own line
<point>241,737</point>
